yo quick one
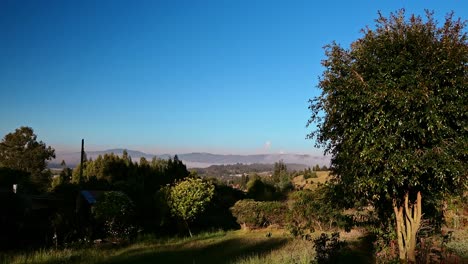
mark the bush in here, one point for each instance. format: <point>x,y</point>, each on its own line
<point>310,174</point>
<point>255,214</point>
<point>260,191</point>
<point>116,211</point>
<point>218,214</point>
<point>311,210</point>
<point>326,248</point>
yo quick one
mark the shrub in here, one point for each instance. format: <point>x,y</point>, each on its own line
<point>310,174</point>
<point>116,211</point>
<point>326,247</point>
<point>255,214</point>
<point>312,210</point>
<point>260,191</point>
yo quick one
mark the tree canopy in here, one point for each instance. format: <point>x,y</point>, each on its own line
<point>21,151</point>
<point>189,198</point>
<point>393,112</point>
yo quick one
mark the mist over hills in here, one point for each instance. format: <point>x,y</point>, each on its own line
<point>198,160</point>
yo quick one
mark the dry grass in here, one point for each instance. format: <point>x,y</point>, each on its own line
<point>311,183</point>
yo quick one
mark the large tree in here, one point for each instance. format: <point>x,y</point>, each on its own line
<point>20,150</point>
<point>393,115</point>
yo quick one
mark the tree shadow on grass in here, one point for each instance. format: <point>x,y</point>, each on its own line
<point>221,252</point>
<point>360,251</point>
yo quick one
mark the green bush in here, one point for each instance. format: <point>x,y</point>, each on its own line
<point>116,211</point>
<point>260,190</point>
<point>255,214</point>
<point>312,210</point>
<point>326,247</point>
<point>308,173</point>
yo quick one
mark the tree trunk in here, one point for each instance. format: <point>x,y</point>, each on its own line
<point>190,232</point>
<point>408,221</point>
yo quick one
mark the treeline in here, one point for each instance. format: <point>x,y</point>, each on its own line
<point>148,185</point>
<point>113,197</point>
<point>109,197</point>
<point>140,181</point>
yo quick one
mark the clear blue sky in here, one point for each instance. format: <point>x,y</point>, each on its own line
<point>175,76</point>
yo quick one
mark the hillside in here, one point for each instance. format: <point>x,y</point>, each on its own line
<point>239,169</point>
<point>311,183</point>
<point>200,160</point>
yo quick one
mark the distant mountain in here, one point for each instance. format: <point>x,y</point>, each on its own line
<point>199,160</point>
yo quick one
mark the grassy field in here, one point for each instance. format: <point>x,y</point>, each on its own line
<point>311,183</point>
<point>240,246</point>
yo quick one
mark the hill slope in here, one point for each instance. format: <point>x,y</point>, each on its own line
<point>200,160</point>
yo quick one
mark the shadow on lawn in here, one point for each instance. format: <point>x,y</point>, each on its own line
<point>359,251</point>
<point>222,252</point>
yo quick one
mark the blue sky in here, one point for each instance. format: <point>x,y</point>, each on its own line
<point>175,76</point>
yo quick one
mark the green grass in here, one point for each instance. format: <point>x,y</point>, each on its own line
<point>459,244</point>
<point>220,248</point>
<point>295,251</point>
<point>217,247</point>
<point>237,247</point>
<point>242,247</point>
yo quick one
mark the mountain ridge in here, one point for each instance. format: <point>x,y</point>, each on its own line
<point>198,159</point>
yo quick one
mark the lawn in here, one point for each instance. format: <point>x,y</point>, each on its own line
<point>241,246</point>
<point>270,245</point>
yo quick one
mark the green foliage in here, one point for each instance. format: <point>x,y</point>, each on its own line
<point>456,211</point>
<point>162,198</point>
<point>217,214</point>
<point>280,170</point>
<point>189,198</point>
<point>393,110</point>
<point>313,210</point>
<point>138,180</point>
<point>326,247</point>
<point>318,168</point>
<point>65,223</point>
<point>116,211</point>
<point>259,190</point>
<point>281,177</point>
<point>308,173</point>
<point>254,214</point>
<point>458,247</point>
<point>21,151</point>
<point>233,169</point>
<point>115,168</point>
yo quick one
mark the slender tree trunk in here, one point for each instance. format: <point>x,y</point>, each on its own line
<point>190,232</point>
<point>399,228</point>
<point>408,221</point>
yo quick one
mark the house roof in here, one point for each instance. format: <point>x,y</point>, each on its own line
<point>91,196</point>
